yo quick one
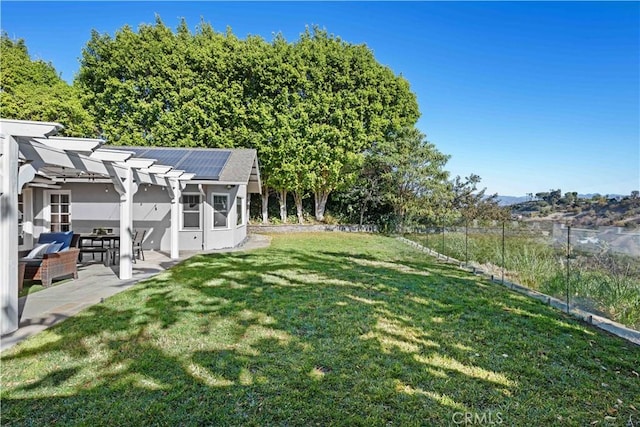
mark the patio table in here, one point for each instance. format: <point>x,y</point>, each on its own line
<point>104,244</point>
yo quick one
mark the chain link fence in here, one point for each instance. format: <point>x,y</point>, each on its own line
<point>595,270</point>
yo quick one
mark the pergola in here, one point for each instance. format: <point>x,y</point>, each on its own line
<point>31,154</point>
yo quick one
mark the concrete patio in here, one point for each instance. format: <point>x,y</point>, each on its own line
<point>95,283</point>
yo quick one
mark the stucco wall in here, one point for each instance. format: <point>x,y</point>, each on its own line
<point>93,207</point>
<point>232,235</point>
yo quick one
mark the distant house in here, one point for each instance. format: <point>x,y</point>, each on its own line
<point>185,199</point>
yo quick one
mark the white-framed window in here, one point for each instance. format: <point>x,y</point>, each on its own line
<point>220,203</point>
<point>57,210</point>
<point>239,211</point>
<point>191,207</point>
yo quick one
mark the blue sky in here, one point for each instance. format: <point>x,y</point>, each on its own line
<point>528,95</point>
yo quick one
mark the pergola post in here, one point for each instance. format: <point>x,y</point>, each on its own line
<point>175,192</point>
<point>9,234</point>
<point>126,187</point>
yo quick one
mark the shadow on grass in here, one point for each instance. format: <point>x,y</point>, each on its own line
<point>369,333</point>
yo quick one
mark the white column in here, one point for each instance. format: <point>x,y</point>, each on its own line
<point>175,192</point>
<point>8,234</point>
<point>203,219</point>
<point>126,190</point>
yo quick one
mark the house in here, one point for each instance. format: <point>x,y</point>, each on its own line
<point>212,205</point>
<point>185,199</point>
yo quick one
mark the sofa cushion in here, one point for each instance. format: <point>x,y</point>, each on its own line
<point>38,251</point>
<point>63,237</point>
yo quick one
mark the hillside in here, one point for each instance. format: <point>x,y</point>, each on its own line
<point>594,212</point>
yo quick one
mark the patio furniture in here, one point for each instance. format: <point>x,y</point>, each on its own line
<point>52,266</point>
<point>98,244</point>
<point>57,258</point>
<point>21,267</point>
<point>138,238</point>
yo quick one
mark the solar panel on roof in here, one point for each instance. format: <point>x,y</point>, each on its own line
<point>205,164</point>
<point>166,157</point>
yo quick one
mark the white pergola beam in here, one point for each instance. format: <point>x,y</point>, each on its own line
<point>42,154</point>
<point>140,163</point>
<point>174,174</point>
<point>26,173</point>
<point>112,155</point>
<point>142,177</point>
<point>84,145</point>
<point>29,128</point>
<point>157,169</point>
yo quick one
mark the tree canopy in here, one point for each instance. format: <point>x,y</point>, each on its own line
<point>325,116</point>
<point>32,90</point>
<point>310,107</point>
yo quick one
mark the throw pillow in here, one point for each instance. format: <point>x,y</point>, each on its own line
<point>38,251</point>
<point>53,248</point>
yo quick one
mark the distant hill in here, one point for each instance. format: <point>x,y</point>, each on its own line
<point>512,200</point>
<point>611,210</point>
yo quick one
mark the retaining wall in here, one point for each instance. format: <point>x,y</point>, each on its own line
<point>311,228</point>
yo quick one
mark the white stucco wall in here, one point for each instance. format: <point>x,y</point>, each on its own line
<point>93,207</point>
<point>216,238</point>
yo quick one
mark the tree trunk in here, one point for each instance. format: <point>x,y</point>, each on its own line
<point>282,198</point>
<point>265,205</point>
<point>298,197</point>
<point>362,209</point>
<point>321,197</point>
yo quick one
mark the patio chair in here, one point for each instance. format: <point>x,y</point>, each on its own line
<point>138,238</point>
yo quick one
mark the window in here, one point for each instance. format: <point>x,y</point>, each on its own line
<point>59,211</point>
<point>220,210</point>
<point>191,209</point>
<point>239,211</point>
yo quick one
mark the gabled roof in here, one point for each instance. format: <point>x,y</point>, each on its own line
<point>209,165</point>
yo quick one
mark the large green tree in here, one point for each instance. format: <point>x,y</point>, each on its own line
<point>470,203</point>
<point>310,107</point>
<point>351,102</point>
<point>33,90</point>
<point>414,181</point>
<point>159,87</point>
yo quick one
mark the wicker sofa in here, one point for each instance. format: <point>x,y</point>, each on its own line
<point>52,265</point>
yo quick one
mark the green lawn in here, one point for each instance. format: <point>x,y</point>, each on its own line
<point>606,283</point>
<point>320,329</point>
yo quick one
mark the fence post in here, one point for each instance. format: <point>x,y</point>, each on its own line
<point>503,253</point>
<point>568,260</point>
<point>427,237</point>
<point>466,242</point>
<point>442,251</point>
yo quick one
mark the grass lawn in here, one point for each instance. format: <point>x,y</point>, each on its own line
<point>320,329</point>
<point>607,283</point>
